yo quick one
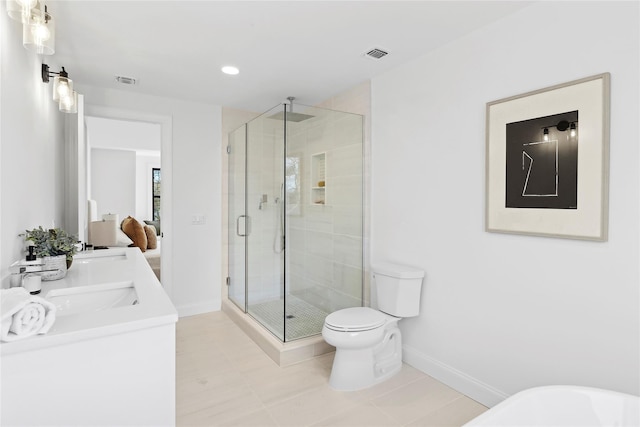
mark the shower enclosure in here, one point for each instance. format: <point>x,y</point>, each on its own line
<point>295,217</point>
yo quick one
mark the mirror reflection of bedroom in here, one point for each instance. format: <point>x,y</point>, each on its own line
<point>124,186</point>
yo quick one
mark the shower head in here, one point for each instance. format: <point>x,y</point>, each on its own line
<point>290,116</point>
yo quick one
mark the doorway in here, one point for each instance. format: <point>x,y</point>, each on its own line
<point>146,153</point>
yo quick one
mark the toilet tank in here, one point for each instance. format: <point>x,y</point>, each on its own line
<point>397,288</point>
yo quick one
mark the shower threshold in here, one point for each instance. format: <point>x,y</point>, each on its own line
<point>284,354</point>
<point>302,319</point>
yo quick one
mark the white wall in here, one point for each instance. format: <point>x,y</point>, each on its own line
<point>196,169</point>
<point>141,139</point>
<point>113,181</point>
<point>122,134</point>
<point>501,313</point>
<point>31,135</point>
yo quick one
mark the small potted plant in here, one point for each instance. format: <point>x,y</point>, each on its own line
<point>56,247</point>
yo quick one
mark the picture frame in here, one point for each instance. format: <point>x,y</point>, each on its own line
<point>547,161</point>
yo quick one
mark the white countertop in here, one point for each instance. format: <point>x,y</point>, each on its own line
<point>97,268</point>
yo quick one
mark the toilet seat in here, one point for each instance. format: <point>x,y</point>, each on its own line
<point>355,319</point>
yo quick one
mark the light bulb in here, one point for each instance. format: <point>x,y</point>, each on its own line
<point>40,33</point>
<point>66,101</point>
<point>63,90</point>
<point>69,104</point>
<point>572,130</point>
<point>545,134</point>
<point>62,86</point>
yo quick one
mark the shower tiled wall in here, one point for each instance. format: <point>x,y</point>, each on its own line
<point>357,100</point>
<point>325,255</point>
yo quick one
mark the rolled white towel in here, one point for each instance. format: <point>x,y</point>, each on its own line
<point>24,315</point>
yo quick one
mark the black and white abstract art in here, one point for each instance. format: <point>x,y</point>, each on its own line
<point>547,161</point>
<point>542,162</point>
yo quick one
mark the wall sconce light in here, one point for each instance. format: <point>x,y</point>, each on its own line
<point>38,26</point>
<point>38,33</point>
<point>63,92</point>
<point>562,126</point>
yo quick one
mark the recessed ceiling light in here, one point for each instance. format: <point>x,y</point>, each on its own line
<point>228,69</point>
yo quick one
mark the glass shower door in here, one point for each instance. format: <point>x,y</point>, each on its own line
<point>237,218</point>
<point>265,250</point>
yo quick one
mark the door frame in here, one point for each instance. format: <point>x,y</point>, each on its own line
<point>166,162</point>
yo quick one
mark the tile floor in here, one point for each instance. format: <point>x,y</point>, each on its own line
<point>225,379</point>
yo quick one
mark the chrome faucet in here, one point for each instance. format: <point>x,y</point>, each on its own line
<point>17,279</point>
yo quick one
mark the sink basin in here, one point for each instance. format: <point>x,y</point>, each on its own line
<point>93,298</point>
<point>88,257</point>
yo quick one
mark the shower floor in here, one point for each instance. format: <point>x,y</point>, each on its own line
<point>302,319</point>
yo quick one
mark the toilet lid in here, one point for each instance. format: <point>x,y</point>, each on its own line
<point>355,319</point>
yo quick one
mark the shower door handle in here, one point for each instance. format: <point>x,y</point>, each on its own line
<point>246,225</point>
<point>244,220</point>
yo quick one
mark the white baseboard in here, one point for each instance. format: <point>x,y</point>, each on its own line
<point>199,308</point>
<point>465,384</point>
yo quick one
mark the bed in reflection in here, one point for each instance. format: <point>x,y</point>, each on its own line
<point>110,232</point>
<point>153,258</point>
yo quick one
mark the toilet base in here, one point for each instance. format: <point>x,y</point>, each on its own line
<point>357,369</point>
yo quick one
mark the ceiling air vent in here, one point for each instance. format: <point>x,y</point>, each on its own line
<point>126,80</point>
<point>376,53</point>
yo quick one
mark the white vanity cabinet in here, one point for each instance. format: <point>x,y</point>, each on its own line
<point>113,366</point>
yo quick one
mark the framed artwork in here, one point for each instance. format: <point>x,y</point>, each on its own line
<point>547,161</point>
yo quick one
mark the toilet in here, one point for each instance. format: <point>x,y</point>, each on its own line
<point>367,340</point>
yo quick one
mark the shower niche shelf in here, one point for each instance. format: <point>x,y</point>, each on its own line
<point>318,179</point>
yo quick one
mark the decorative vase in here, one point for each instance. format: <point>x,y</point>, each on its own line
<point>56,263</point>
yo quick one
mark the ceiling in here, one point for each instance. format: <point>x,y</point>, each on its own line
<point>308,49</point>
